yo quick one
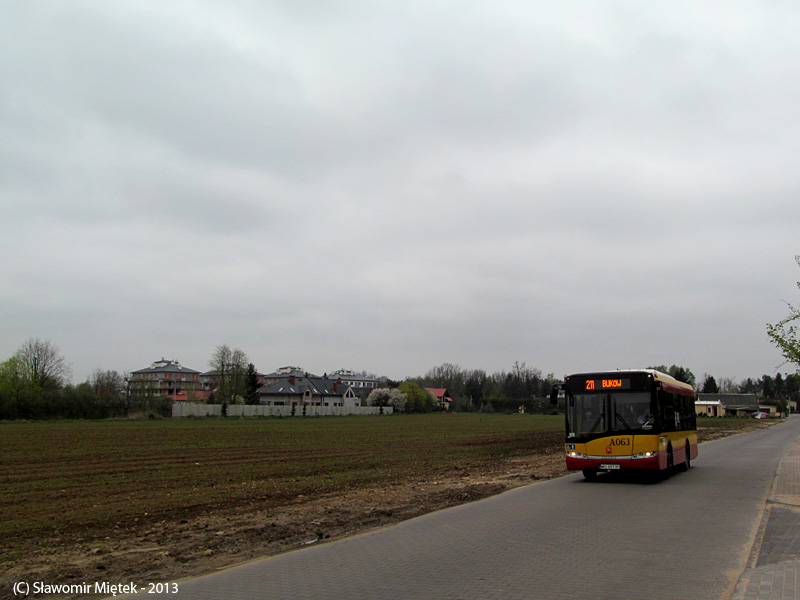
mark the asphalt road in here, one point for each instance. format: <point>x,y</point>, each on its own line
<point>688,537</point>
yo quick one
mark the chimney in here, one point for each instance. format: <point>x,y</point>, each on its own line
<point>292,379</point>
<point>336,387</point>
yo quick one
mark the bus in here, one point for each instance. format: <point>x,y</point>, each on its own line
<point>638,419</point>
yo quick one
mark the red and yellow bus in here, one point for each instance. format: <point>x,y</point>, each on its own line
<point>639,419</point>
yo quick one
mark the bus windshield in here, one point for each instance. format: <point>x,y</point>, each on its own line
<point>615,413</point>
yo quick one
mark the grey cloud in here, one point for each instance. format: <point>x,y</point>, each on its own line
<point>399,186</point>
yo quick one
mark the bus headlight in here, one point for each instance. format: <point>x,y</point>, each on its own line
<point>648,454</point>
<point>573,454</point>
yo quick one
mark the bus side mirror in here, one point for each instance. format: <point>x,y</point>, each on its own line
<point>554,396</point>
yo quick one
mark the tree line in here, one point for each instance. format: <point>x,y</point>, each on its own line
<point>475,390</point>
<point>35,384</point>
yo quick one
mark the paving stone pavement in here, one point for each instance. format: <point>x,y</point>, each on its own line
<point>774,565</point>
<point>561,539</point>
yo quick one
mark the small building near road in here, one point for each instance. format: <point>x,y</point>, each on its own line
<point>769,410</point>
<point>726,405</point>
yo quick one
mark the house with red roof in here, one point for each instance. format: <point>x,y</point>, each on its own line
<point>442,396</point>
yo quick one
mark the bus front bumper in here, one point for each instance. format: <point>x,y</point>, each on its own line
<point>646,460</point>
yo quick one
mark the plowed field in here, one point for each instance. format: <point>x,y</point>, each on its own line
<point>166,499</point>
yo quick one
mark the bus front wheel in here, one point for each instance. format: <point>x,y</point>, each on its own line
<point>590,474</point>
<point>688,463</point>
<point>670,463</point>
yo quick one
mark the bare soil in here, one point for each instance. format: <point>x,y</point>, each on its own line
<point>202,543</point>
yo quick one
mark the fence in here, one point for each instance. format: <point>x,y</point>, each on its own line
<point>194,409</point>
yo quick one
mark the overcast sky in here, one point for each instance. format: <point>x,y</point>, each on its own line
<point>389,186</point>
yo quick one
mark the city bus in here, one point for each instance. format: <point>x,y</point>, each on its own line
<point>618,420</point>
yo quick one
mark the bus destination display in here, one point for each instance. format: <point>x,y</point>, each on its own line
<point>615,383</point>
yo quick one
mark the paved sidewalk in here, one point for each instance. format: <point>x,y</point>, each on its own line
<point>773,571</point>
<point>566,538</point>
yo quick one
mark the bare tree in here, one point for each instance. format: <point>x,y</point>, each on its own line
<point>728,386</point>
<point>42,365</point>
<point>446,375</point>
<point>110,389</point>
<point>229,367</point>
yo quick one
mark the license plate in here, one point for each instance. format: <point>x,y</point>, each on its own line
<point>609,467</point>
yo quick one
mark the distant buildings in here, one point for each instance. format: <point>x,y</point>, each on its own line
<point>726,405</point>
<point>362,384</point>
<point>284,373</point>
<point>294,385</point>
<point>168,378</point>
<point>736,405</point>
<point>308,390</point>
<point>353,379</point>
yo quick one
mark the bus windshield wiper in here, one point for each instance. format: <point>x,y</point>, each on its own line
<point>619,416</point>
<point>596,423</point>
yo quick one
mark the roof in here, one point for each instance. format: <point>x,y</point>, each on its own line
<point>731,401</point>
<point>440,394</point>
<point>318,386</point>
<point>350,375</point>
<point>166,366</point>
<point>286,372</point>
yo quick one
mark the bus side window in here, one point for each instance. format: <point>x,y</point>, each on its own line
<point>690,417</point>
<point>667,405</point>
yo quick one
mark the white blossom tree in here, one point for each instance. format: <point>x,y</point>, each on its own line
<point>388,397</point>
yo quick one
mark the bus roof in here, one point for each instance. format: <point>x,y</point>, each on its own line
<point>668,382</point>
